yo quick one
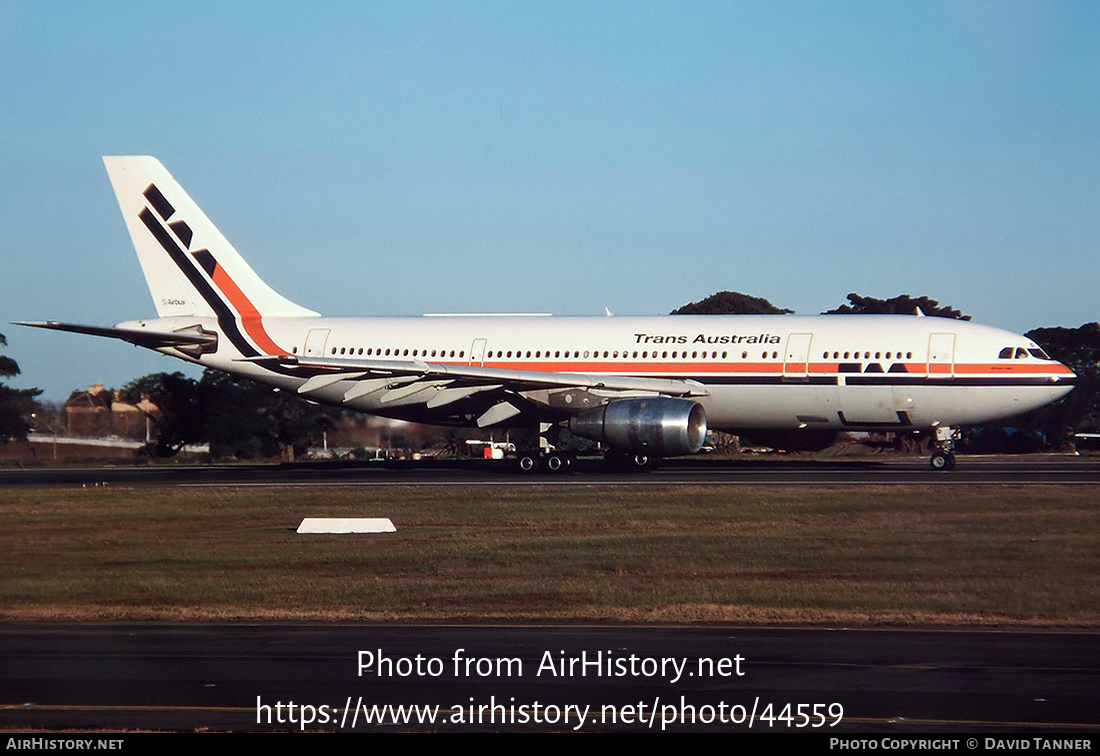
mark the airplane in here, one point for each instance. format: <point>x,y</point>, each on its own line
<point>644,387</point>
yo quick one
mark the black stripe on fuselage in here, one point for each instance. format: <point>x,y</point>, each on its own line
<point>884,380</point>
<point>993,380</point>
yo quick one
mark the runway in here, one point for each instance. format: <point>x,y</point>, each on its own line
<point>1055,470</point>
<point>221,676</point>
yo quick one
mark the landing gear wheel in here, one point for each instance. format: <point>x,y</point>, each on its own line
<point>527,463</point>
<point>555,463</point>
<point>630,461</point>
<point>642,462</point>
<point>943,460</point>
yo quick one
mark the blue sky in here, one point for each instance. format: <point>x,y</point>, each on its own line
<point>400,158</point>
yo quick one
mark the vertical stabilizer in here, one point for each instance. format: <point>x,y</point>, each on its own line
<point>191,269</point>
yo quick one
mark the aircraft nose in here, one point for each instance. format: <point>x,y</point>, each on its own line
<point>1063,374</point>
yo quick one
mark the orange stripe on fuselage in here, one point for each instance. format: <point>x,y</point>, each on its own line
<point>250,317</point>
<point>740,368</point>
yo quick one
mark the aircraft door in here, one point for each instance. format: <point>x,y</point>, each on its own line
<point>797,356</point>
<point>941,355</point>
<point>315,342</point>
<point>477,352</point>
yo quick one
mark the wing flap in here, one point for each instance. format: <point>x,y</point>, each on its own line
<point>518,380</point>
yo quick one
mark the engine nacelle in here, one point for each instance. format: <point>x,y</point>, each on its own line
<point>659,426</point>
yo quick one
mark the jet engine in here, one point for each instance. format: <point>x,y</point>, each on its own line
<point>658,425</point>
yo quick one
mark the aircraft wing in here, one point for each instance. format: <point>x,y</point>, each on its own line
<point>189,337</point>
<point>472,376</point>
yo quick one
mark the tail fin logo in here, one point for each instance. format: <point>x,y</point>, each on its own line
<point>226,289</point>
<point>165,210</point>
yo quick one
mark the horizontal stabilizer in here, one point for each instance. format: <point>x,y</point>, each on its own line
<point>142,337</point>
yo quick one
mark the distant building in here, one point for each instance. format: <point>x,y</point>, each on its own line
<point>100,412</point>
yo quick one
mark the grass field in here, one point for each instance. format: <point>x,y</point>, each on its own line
<point>946,555</point>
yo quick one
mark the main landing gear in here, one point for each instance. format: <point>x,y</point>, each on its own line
<point>539,454</point>
<point>551,461</point>
<point>943,458</point>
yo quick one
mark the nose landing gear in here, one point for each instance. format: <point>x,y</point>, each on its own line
<point>943,458</point>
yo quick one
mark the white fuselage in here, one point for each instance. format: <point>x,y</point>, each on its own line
<point>759,371</point>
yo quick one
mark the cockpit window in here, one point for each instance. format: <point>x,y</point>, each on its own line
<point>1039,354</point>
<point>1021,353</point>
<point>1006,354</point>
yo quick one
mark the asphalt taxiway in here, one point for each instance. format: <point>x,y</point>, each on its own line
<point>1060,470</point>
<point>244,677</point>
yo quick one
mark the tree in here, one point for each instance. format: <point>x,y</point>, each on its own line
<point>180,420</point>
<point>237,417</point>
<point>16,405</point>
<point>903,304</point>
<point>1079,350</point>
<point>248,419</point>
<point>731,303</point>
